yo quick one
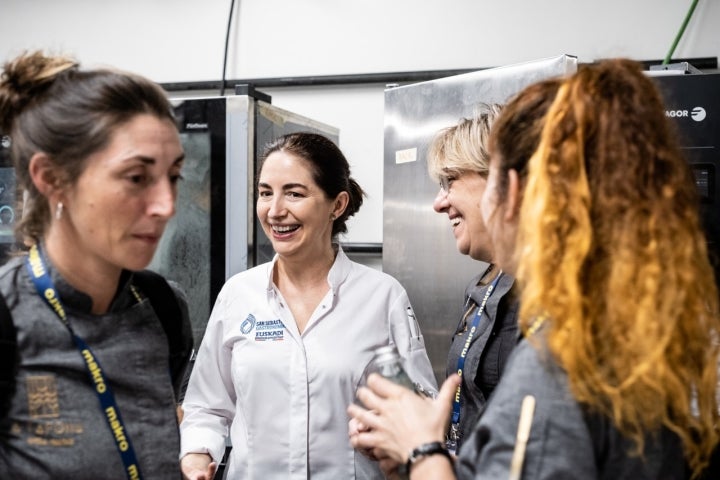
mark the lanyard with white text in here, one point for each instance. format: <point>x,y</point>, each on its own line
<point>455,422</point>
<point>46,290</point>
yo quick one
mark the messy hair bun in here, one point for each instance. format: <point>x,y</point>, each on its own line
<point>24,79</point>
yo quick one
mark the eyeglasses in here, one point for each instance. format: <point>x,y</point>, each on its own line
<point>446,182</point>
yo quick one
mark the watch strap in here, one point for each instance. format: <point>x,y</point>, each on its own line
<point>425,450</point>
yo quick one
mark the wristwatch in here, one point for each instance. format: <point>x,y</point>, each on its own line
<point>427,449</point>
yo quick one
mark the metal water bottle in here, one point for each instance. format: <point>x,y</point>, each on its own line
<point>388,363</point>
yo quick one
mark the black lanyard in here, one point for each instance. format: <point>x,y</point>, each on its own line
<point>46,290</point>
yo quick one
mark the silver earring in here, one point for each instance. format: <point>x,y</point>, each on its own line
<point>332,217</point>
<point>58,211</point>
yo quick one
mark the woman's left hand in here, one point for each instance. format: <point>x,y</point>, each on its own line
<point>355,428</point>
<point>397,420</point>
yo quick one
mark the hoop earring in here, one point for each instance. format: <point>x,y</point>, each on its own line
<point>58,211</point>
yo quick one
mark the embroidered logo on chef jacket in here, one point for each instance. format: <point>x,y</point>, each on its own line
<point>45,427</point>
<point>42,395</point>
<point>269,330</point>
<point>247,325</point>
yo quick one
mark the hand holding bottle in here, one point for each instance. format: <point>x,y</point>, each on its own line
<point>398,421</point>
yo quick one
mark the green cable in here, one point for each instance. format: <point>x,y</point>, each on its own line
<point>680,33</point>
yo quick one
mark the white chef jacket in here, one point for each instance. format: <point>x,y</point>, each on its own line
<point>284,395</point>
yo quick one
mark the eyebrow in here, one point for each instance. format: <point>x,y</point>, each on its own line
<point>152,161</point>
<point>287,186</point>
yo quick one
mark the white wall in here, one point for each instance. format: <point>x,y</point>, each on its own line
<point>183,41</point>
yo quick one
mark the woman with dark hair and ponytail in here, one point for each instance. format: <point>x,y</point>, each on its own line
<point>98,157</point>
<point>592,205</point>
<point>288,341</point>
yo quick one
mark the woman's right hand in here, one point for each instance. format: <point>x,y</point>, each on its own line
<point>198,466</point>
<point>397,420</point>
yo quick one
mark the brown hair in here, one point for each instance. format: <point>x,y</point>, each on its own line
<point>516,133</point>
<point>48,104</point>
<point>330,169</point>
<point>613,254</point>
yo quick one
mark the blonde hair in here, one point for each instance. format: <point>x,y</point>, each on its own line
<point>463,147</point>
<point>612,252</point>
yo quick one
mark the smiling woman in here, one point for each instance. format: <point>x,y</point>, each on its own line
<point>487,331</point>
<point>98,157</point>
<point>295,213</point>
<point>617,374</point>
<point>288,341</point>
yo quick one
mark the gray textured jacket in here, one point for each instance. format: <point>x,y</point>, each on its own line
<point>561,445</point>
<point>55,428</point>
<point>489,350</point>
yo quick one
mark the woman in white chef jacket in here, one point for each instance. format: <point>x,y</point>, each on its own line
<point>287,341</point>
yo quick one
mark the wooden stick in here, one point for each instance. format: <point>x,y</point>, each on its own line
<point>527,410</point>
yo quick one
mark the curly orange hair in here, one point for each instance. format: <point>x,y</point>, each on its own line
<point>611,250</point>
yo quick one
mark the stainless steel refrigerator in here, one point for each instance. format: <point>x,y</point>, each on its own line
<point>418,245</point>
<point>215,232</point>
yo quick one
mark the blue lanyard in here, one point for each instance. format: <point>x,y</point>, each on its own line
<point>454,427</point>
<point>46,290</point>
